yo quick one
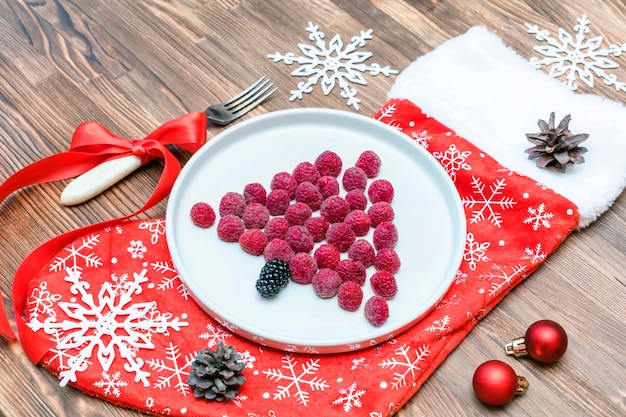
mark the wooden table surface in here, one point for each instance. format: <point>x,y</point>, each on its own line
<point>132,65</point>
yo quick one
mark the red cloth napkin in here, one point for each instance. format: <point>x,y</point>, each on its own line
<point>126,329</point>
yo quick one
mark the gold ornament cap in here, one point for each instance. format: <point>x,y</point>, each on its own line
<point>517,347</point>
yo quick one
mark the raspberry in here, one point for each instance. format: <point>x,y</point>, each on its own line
<point>384,284</point>
<point>326,283</point>
<point>380,212</point>
<point>351,270</point>
<point>356,199</point>
<point>354,179</point>
<point>380,190</point>
<point>276,227</point>
<point>253,241</point>
<point>341,236</point>
<point>277,202</point>
<point>255,216</point>
<point>328,185</point>
<point>298,213</point>
<point>278,249</point>
<point>306,172</point>
<point>317,226</point>
<point>335,209</point>
<point>202,214</point>
<point>359,221</point>
<point>369,162</point>
<point>385,235</point>
<point>327,256</point>
<point>309,194</point>
<point>274,276</point>
<point>329,163</point>
<point>303,267</point>
<point>376,310</point>
<point>254,193</point>
<point>387,260</point>
<point>362,251</point>
<point>299,238</point>
<point>350,295</point>
<point>232,203</point>
<point>284,181</point>
<point>230,227</point>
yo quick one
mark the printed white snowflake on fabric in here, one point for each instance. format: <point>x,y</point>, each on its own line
<point>475,252</point>
<point>42,301</point>
<point>156,226</point>
<point>440,326</point>
<point>106,324</point>
<point>387,112</point>
<point>350,397</point>
<point>78,253</point>
<point>136,249</point>
<point>421,138</point>
<point>111,384</point>
<point>409,362</point>
<point>174,368</point>
<point>577,56</point>
<point>501,279</point>
<point>488,201</point>
<point>300,380</point>
<point>214,335</point>
<point>453,160</point>
<point>539,217</point>
<point>333,64</point>
<point>170,278</point>
<point>535,255</point>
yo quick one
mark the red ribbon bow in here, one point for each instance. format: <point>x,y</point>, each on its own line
<point>92,144</point>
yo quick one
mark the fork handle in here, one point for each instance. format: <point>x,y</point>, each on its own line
<point>98,179</point>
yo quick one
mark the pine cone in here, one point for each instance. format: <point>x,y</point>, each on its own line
<point>556,148</point>
<point>217,375</point>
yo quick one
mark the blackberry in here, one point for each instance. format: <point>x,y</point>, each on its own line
<point>274,276</point>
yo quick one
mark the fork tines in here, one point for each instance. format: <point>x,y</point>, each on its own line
<point>242,103</point>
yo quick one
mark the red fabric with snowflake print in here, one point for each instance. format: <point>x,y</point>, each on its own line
<point>126,329</point>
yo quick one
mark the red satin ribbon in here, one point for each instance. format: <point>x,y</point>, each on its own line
<point>91,145</point>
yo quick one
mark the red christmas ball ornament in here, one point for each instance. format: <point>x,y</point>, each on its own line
<point>545,341</point>
<point>495,383</point>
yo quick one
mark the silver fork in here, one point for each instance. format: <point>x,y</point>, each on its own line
<point>98,179</point>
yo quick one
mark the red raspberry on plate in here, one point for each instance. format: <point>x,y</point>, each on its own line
<point>327,256</point>
<point>380,190</point>
<point>380,212</point>
<point>254,193</point>
<point>278,249</point>
<point>335,208</point>
<point>357,200</point>
<point>230,227</point>
<point>303,268</point>
<point>329,163</point>
<point>306,172</point>
<point>341,236</point>
<point>362,251</point>
<point>351,270</point>
<point>202,214</point>
<point>277,202</point>
<point>387,260</point>
<point>369,162</point>
<point>384,284</point>
<point>232,203</point>
<point>354,179</point>
<point>255,216</point>
<point>326,283</point>
<point>317,226</point>
<point>276,227</point>
<point>385,235</point>
<point>284,181</point>
<point>359,221</point>
<point>297,213</point>
<point>309,194</point>
<point>327,185</point>
<point>299,238</point>
<point>253,241</point>
<point>376,310</point>
<point>350,295</point>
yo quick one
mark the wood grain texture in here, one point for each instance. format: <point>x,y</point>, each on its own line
<point>132,65</point>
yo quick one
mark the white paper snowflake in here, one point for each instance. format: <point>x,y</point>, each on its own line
<point>332,65</point>
<point>577,56</point>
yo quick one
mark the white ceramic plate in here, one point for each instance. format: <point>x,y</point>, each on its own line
<point>221,276</point>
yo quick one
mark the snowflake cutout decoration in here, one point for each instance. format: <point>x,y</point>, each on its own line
<point>577,56</point>
<point>333,64</point>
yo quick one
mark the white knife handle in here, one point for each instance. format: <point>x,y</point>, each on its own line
<point>98,179</point>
